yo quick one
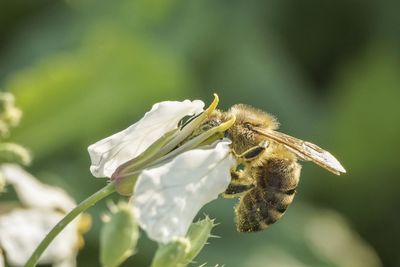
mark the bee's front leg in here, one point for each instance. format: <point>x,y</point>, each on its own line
<point>252,153</point>
<point>242,180</point>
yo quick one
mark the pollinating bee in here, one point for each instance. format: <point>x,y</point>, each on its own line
<point>267,172</point>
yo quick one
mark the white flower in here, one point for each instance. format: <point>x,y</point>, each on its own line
<point>33,193</point>
<point>172,188</point>
<point>167,198</point>
<point>22,229</point>
<point>108,154</point>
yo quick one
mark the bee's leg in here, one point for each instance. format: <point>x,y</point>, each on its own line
<point>236,190</point>
<point>241,181</point>
<point>238,186</point>
<point>253,152</point>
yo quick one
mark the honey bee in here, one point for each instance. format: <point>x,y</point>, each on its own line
<point>267,172</point>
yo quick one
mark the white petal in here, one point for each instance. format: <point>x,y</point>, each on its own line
<point>22,230</point>
<point>168,197</point>
<point>32,193</point>
<point>107,154</point>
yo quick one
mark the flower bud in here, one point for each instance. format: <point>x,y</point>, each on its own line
<point>172,254</point>
<point>14,153</point>
<point>182,251</point>
<point>198,235</point>
<point>2,183</point>
<point>9,114</point>
<point>12,116</point>
<point>119,236</point>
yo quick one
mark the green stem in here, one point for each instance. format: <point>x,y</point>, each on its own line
<point>84,205</point>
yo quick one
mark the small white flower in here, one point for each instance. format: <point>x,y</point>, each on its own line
<point>33,193</point>
<point>22,229</point>
<point>169,193</point>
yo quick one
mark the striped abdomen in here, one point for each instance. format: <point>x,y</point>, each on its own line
<point>263,205</point>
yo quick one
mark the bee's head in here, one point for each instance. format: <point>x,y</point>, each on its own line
<point>248,116</point>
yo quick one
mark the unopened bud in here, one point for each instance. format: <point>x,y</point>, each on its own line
<point>180,252</point>
<point>9,114</point>
<point>12,116</point>
<point>172,254</point>
<point>2,185</point>
<point>198,235</point>
<point>6,101</point>
<point>84,225</point>
<point>119,236</point>
<point>14,153</point>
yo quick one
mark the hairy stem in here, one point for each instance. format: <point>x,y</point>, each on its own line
<point>84,205</point>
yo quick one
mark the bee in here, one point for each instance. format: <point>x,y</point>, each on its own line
<point>267,172</point>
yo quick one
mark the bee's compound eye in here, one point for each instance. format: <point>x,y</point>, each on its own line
<point>248,125</point>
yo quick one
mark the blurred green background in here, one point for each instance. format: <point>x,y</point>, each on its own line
<point>329,70</point>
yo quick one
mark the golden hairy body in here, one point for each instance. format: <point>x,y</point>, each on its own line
<point>267,172</point>
<point>243,137</point>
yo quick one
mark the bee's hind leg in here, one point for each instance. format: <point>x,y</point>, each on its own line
<point>236,190</point>
<point>239,185</point>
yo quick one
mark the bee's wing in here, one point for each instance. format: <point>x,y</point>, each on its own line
<point>304,150</point>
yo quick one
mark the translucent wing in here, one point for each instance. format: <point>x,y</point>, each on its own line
<point>304,150</point>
